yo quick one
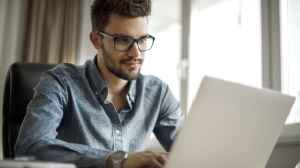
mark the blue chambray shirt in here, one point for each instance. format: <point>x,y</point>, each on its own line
<point>69,119</point>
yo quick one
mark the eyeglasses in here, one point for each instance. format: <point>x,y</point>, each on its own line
<point>124,43</point>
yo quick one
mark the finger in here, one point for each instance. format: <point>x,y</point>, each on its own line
<point>160,156</point>
<point>162,159</point>
<point>165,154</point>
<point>153,162</point>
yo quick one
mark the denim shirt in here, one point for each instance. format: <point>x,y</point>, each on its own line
<point>69,119</point>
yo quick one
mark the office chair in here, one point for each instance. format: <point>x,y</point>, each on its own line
<point>20,81</point>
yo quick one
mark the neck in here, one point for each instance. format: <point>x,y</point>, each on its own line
<point>116,85</point>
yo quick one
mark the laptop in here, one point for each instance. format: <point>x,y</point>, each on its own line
<point>230,126</point>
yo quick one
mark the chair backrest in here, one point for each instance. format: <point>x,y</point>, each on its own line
<point>20,81</point>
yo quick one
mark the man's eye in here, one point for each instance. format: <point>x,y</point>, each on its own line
<point>124,40</point>
<point>143,40</point>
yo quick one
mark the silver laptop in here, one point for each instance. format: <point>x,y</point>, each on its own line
<point>230,126</point>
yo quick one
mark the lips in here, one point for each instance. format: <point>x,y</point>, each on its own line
<point>132,63</point>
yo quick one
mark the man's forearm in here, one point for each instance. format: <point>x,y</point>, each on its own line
<point>59,151</point>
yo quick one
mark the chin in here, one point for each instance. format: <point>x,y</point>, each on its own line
<point>133,76</point>
<point>128,76</point>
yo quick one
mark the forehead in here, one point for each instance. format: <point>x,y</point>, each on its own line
<point>135,27</point>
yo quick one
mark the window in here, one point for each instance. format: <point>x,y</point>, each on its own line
<point>163,58</point>
<point>225,42</point>
<point>290,35</point>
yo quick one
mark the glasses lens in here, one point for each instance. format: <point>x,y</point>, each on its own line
<point>145,43</point>
<point>123,43</point>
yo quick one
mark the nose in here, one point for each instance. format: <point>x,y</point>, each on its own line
<point>134,51</point>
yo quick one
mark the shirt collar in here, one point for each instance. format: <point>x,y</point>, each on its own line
<point>99,85</point>
<point>132,90</point>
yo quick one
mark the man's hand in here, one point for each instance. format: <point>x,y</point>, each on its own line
<point>145,159</point>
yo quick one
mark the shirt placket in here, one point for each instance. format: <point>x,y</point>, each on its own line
<point>117,129</point>
<point>118,137</point>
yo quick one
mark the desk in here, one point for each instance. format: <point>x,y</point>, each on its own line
<point>33,164</point>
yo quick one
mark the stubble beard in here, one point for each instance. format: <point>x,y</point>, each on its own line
<point>117,71</point>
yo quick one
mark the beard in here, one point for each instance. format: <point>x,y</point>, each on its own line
<point>116,68</point>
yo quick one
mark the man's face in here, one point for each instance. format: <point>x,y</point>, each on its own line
<point>124,64</point>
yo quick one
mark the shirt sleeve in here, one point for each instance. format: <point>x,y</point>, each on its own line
<point>169,121</point>
<point>38,132</point>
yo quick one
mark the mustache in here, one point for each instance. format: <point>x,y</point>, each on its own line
<point>130,60</point>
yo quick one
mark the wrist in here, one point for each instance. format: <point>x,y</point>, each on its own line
<point>116,159</point>
<point>123,162</point>
<point>107,161</point>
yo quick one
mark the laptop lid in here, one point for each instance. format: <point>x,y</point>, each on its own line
<point>230,126</point>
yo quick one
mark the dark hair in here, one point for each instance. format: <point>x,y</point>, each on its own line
<point>101,10</point>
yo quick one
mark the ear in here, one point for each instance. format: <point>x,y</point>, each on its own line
<point>95,39</point>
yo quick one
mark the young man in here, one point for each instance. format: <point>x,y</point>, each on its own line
<point>99,114</point>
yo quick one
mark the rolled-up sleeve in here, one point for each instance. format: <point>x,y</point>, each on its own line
<point>38,132</point>
<point>169,121</point>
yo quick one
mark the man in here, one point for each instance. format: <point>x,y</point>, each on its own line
<point>99,114</point>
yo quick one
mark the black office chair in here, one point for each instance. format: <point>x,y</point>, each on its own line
<point>20,80</point>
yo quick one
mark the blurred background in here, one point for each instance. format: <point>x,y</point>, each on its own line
<point>254,42</point>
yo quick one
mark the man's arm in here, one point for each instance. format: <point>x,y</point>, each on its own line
<point>37,136</point>
<point>169,121</point>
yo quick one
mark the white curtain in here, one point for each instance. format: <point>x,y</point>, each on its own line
<point>12,20</point>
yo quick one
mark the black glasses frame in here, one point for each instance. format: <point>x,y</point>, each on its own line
<point>134,40</point>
